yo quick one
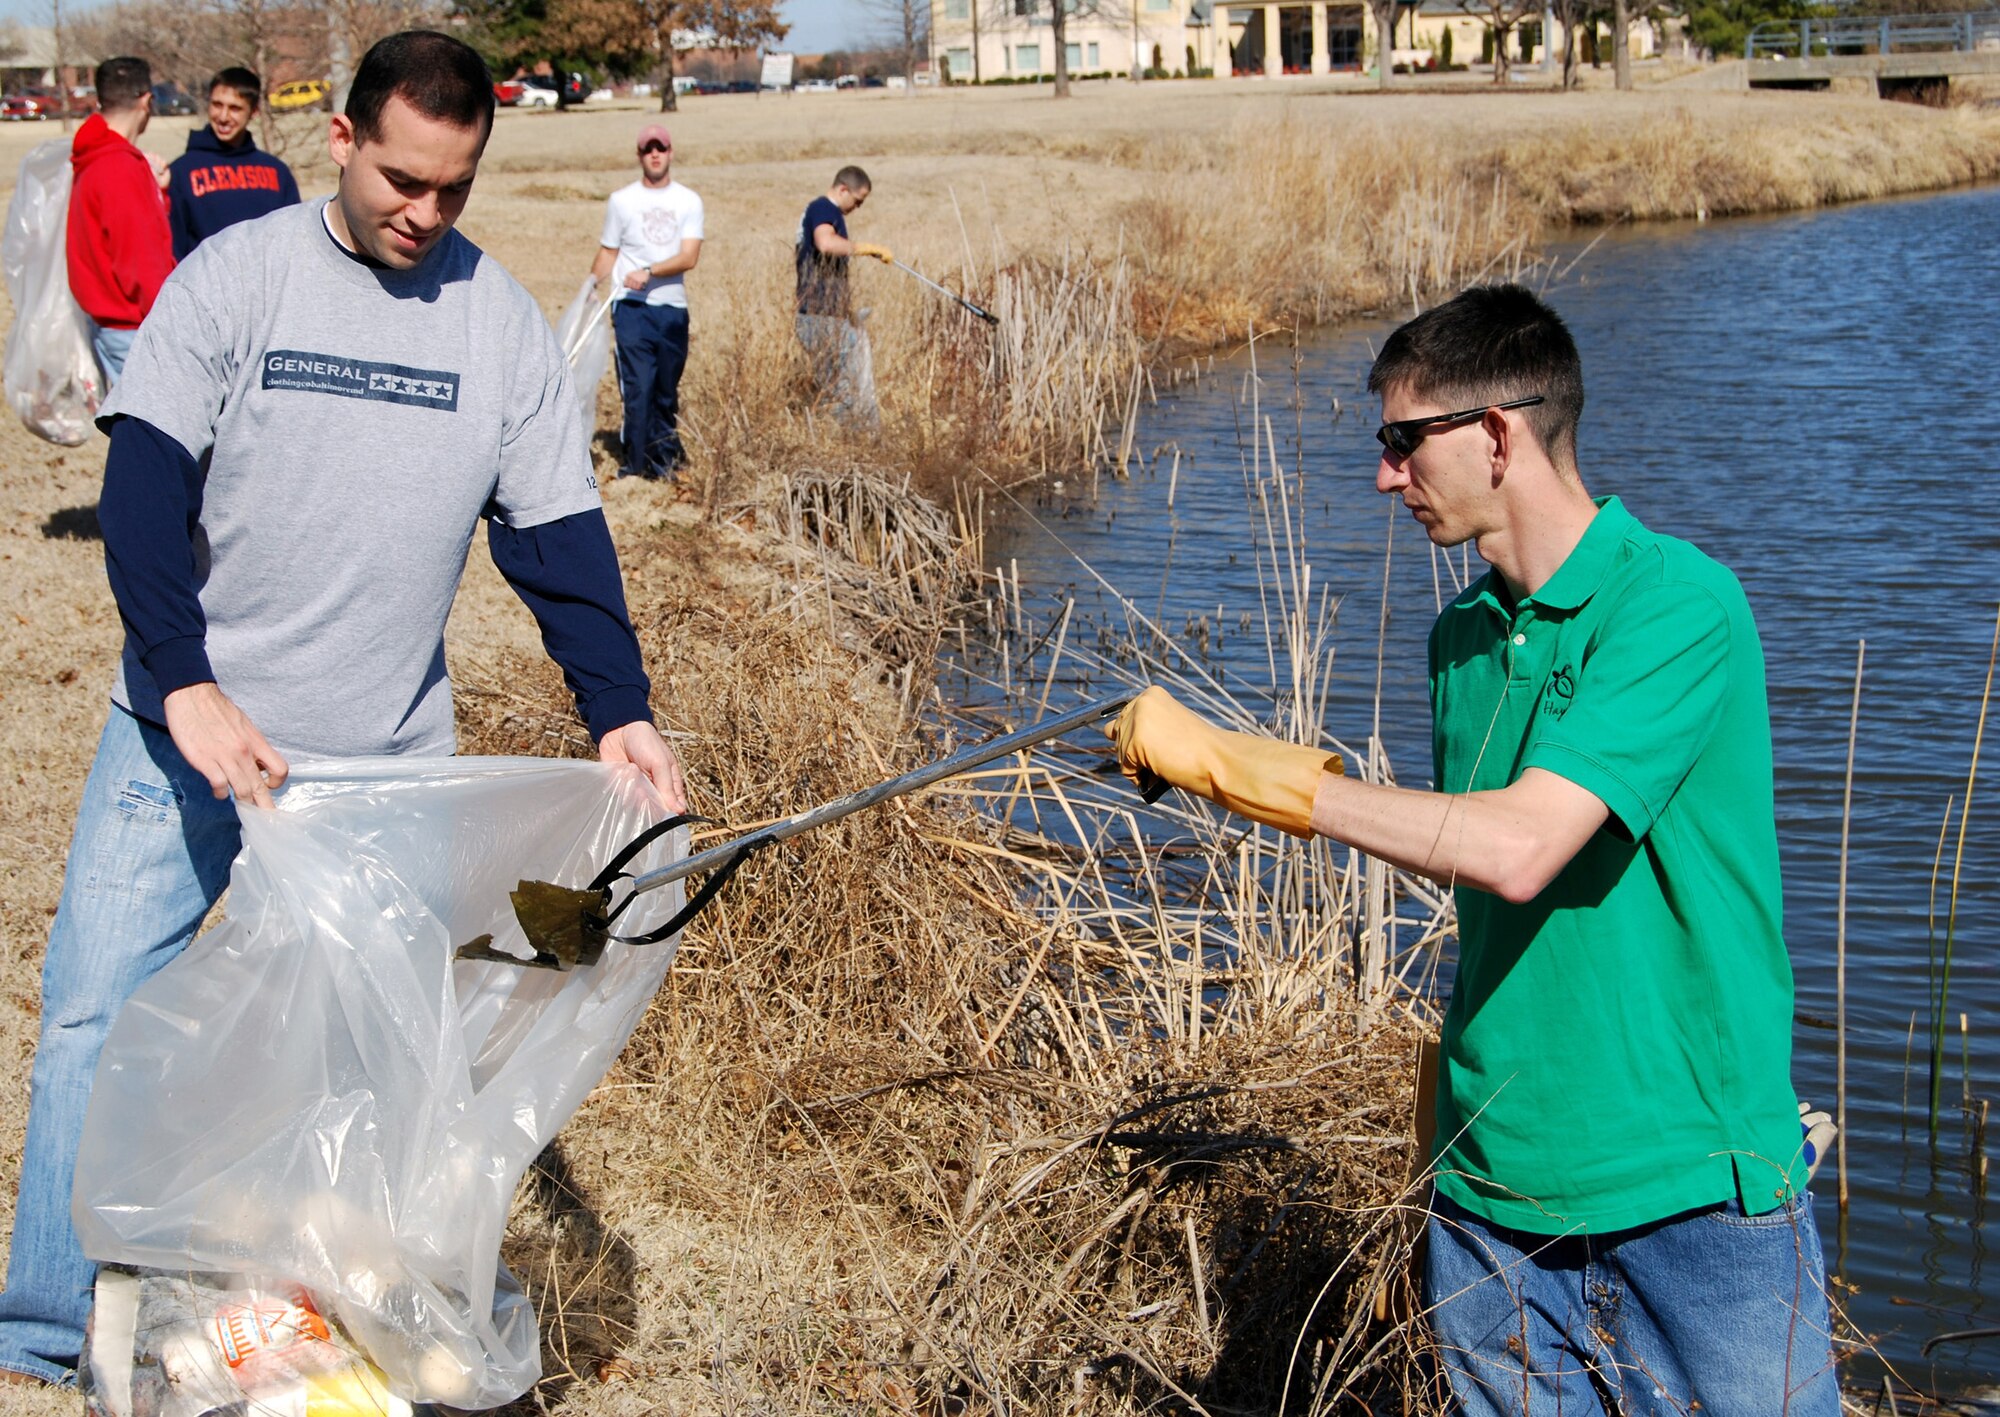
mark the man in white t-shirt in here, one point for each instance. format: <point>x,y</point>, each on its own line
<point>652,238</point>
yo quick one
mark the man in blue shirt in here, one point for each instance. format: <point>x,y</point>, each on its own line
<point>222,178</point>
<point>828,325</point>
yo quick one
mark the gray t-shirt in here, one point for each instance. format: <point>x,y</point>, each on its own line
<point>354,425</point>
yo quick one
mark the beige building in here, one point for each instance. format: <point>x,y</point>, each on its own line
<point>985,40</point>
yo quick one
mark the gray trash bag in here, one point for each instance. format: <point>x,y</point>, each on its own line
<point>584,333</point>
<point>51,375</point>
<point>317,1093</point>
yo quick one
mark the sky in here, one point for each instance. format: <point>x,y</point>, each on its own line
<point>817,25</point>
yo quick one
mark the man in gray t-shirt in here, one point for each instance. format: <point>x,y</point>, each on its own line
<point>321,408</point>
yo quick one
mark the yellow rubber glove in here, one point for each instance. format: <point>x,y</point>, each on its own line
<point>880,253</point>
<point>1253,776</point>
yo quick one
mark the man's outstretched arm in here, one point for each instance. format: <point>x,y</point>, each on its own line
<point>1510,842</point>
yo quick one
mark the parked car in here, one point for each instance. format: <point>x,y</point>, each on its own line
<point>78,102</point>
<point>817,86</point>
<point>507,92</point>
<point>541,91</point>
<point>741,86</point>
<point>22,108</point>
<point>172,101</point>
<point>299,94</point>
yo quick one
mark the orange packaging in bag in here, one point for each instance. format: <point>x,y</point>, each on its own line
<point>267,1323</point>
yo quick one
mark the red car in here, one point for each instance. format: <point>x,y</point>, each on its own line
<point>21,108</point>
<point>507,92</point>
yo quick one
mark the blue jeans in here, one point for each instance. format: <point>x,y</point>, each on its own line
<point>652,354</point>
<point>110,347</point>
<point>150,855</point>
<point>1712,1308</point>
<point>843,368</point>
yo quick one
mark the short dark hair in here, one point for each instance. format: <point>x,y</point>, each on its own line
<point>245,81</point>
<point>441,77</point>
<point>853,179</point>
<point>122,82</point>
<point>1491,343</point>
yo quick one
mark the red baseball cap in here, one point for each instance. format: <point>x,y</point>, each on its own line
<point>654,133</point>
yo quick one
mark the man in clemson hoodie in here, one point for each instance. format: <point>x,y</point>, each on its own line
<point>223,178</point>
<point>120,250</point>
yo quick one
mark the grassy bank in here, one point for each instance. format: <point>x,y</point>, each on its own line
<point>894,1139</point>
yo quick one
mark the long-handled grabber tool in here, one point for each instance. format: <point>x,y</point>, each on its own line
<point>568,926</point>
<point>987,315</point>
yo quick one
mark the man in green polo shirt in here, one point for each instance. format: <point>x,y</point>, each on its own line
<point>1620,1222</point>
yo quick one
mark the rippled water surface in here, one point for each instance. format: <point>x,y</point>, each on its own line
<point>1809,400</point>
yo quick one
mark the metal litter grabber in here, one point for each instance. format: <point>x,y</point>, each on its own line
<point>988,316</point>
<point>567,926</point>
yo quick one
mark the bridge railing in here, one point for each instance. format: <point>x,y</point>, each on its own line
<point>1876,34</point>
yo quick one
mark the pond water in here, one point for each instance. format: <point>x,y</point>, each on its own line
<point>1807,399</point>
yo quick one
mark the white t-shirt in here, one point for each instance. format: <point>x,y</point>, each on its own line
<point>646,225</point>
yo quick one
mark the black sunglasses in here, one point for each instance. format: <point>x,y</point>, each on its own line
<point>656,148</point>
<point>1402,437</point>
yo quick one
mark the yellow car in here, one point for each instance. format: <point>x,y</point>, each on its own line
<point>298,94</point>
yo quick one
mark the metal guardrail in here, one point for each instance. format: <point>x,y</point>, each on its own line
<point>1877,34</point>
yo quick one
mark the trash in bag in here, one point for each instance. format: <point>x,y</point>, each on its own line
<point>207,1345</point>
<point>585,335</point>
<point>51,375</point>
<point>316,1094</point>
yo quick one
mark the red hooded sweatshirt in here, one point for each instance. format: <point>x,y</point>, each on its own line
<point>120,249</point>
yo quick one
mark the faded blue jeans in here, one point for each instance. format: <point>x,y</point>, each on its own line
<point>151,854</point>
<point>111,347</point>
<point>1712,1312</point>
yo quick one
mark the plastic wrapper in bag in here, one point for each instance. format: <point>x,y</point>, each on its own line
<point>316,1092</point>
<point>51,375</point>
<point>201,1345</point>
<point>585,335</point>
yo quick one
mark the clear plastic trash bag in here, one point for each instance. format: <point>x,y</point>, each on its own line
<point>585,336</point>
<point>51,375</point>
<point>316,1092</point>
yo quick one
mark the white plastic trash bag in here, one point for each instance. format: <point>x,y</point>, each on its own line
<point>315,1092</point>
<point>51,375</point>
<point>585,336</point>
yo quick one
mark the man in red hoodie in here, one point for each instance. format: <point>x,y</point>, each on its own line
<point>120,248</point>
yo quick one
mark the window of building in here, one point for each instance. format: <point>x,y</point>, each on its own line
<point>1073,57</point>
<point>1159,5</point>
<point>1095,62</point>
<point>1027,58</point>
<point>1024,7</point>
<point>958,63</point>
<point>958,9</point>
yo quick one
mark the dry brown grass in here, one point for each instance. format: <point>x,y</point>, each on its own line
<point>896,1138</point>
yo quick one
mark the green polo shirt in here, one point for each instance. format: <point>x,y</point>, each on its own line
<point>1618,1050</point>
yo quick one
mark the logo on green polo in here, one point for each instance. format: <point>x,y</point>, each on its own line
<point>1561,689</point>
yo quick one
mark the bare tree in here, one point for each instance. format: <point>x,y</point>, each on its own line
<point>1384,15</point>
<point>907,30</point>
<point>1502,18</point>
<point>1621,43</point>
<point>1569,14</point>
